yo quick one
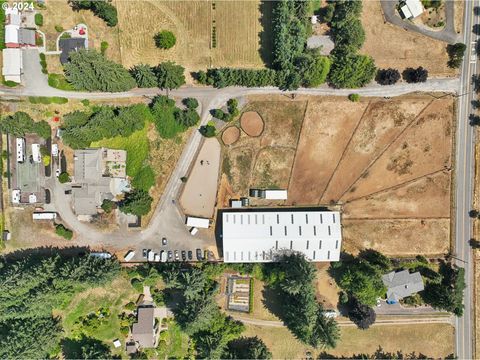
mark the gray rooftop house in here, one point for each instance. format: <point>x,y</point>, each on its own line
<point>68,46</point>
<point>144,331</point>
<point>96,171</point>
<point>402,284</point>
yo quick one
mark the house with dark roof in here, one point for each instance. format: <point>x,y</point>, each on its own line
<point>401,284</point>
<point>144,331</point>
<point>70,45</point>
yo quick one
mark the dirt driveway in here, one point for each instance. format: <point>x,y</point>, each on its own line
<point>198,197</point>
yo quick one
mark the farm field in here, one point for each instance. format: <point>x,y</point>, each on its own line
<point>192,22</point>
<point>385,162</point>
<point>409,49</point>
<point>433,340</point>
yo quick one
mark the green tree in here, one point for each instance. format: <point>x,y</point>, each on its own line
<point>169,75</point>
<point>362,315</point>
<point>108,206</point>
<point>63,178</point>
<point>456,53</point>
<point>208,130</point>
<point>144,76</point>
<point>163,110</point>
<point>351,70</point>
<point>313,69</point>
<point>85,348</point>
<point>164,39</point>
<point>325,333</point>
<point>247,348</point>
<point>190,103</point>
<point>298,272</point>
<point>136,202</point>
<point>90,71</point>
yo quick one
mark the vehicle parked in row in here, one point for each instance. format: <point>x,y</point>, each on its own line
<point>164,241</point>
<point>190,255</point>
<point>199,254</point>
<point>184,255</point>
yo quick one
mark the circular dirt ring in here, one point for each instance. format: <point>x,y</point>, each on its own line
<point>252,123</point>
<point>230,135</point>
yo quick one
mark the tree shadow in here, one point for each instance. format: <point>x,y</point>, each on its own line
<point>46,252</point>
<point>272,300</point>
<point>265,36</point>
<point>85,346</point>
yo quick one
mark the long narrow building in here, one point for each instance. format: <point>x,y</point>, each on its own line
<point>264,235</point>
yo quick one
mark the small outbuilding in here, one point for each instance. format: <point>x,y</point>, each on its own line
<point>410,9</point>
<point>26,37</point>
<point>401,284</point>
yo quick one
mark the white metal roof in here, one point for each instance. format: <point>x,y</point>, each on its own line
<point>12,64</point>
<point>20,149</point>
<point>198,222</point>
<point>44,215</point>
<point>261,236</point>
<point>11,33</point>
<point>415,7</point>
<point>36,153</point>
<point>276,194</point>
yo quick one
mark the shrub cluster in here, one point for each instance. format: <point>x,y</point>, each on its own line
<point>21,123</point>
<point>80,128</point>
<point>232,106</point>
<point>62,231</point>
<point>101,8</point>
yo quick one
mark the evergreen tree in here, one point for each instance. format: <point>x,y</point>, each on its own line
<point>136,202</point>
<point>169,75</point>
<point>144,76</point>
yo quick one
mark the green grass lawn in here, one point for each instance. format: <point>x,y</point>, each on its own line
<point>59,81</point>
<point>113,296</point>
<point>136,145</point>
<point>173,343</point>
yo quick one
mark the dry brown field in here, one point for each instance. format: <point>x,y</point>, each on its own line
<point>433,340</point>
<point>265,160</point>
<point>392,46</point>
<point>385,162</point>
<point>237,23</point>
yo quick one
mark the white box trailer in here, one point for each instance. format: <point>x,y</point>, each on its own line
<point>20,150</point>
<point>16,196</point>
<point>276,194</point>
<point>129,255</point>
<point>163,256</point>
<point>151,256</point>
<point>44,215</point>
<point>193,231</point>
<point>198,222</point>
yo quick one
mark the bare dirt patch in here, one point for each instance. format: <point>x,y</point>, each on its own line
<point>198,196</point>
<point>392,46</point>
<point>326,130</point>
<point>252,123</point>
<point>382,122</point>
<point>424,148</point>
<point>327,288</point>
<point>230,135</point>
<point>428,197</point>
<point>397,237</point>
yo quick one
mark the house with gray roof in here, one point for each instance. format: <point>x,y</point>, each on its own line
<point>401,284</point>
<point>144,332</point>
<point>97,173</point>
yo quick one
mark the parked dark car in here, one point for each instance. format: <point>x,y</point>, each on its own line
<point>184,255</point>
<point>190,255</point>
<point>144,253</point>
<point>199,254</point>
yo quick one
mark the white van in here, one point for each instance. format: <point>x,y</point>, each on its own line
<point>151,256</point>
<point>129,255</point>
<point>163,256</point>
<point>193,231</point>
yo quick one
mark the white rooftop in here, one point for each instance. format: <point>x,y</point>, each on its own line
<point>262,236</point>
<point>415,8</point>
<point>12,64</point>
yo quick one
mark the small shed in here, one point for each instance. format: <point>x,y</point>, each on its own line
<point>276,194</point>
<point>411,9</point>
<point>236,204</point>
<point>26,37</point>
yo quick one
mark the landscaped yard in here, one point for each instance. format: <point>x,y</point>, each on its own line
<point>112,296</point>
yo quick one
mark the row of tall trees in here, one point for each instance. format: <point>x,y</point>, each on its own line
<point>81,128</point>
<point>21,123</point>
<point>349,69</point>
<point>31,288</point>
<point>89,70</point>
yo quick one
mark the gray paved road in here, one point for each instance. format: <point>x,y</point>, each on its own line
<point>465,175</point>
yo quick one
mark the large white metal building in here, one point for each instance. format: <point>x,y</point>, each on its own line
<point>263,236</point>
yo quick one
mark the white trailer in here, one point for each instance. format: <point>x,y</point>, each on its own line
<point>276,194</point>
<point>129,255</point>
<point>198,222</point>
<point>101,255</point>
<point>20,150</point>
<point>16,196</point>
<point>54,150</point>
<point>193,231</point>
<point>37,156</point>
<point>44,215</point>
